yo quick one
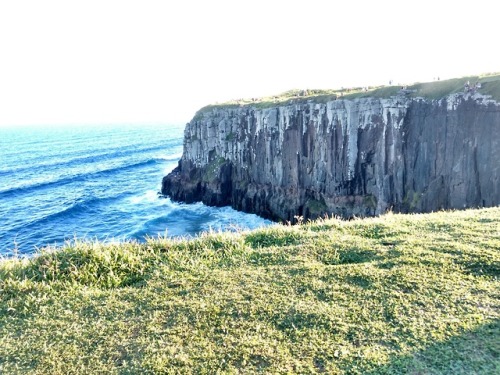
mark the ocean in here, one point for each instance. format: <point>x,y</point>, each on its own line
<point>101,183</point>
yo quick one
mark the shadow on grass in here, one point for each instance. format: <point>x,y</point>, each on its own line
<point>268,238</point>
<point>473,352</point>
<point>269,258</point>
<point>477,263</point>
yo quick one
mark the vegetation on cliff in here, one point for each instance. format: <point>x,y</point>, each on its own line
<point>394,294</point>
<point>490,85</point>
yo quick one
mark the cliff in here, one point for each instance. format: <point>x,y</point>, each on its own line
<point>359,156</point>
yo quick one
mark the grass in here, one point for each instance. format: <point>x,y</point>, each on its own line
<point>415,294</point>
<point>429,90</point>
<point>436,90</point>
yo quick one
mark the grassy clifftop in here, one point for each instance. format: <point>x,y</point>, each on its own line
<point>490,85</point>
<point>395,294</point>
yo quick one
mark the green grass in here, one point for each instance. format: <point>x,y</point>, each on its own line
<point>491,86</point>
<point>429,90</point>
<point>415,294</point>
<point>438,89</point>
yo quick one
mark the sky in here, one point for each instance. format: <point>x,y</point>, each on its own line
<point>109,62</point>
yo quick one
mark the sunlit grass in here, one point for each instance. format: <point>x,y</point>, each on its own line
<point>395,294</point>
<point>429,90</point>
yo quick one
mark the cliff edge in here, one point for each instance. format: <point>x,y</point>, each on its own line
<point>357,156</point>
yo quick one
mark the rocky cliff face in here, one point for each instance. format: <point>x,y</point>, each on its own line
<point>344,157</point>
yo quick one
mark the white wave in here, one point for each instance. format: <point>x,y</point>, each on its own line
<point>226,218</point>
<point>149,196</point>
<point>169,157</point>
<point>169,169</point>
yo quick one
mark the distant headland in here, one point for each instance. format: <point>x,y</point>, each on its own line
<point>349,152</point>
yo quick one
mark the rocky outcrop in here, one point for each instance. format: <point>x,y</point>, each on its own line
<point>343,157</point>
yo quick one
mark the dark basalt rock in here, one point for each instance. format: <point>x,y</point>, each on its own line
<point>346,157</point>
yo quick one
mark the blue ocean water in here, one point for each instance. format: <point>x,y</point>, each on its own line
<point>96,182</point>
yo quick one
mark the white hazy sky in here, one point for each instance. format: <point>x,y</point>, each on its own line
<point>81,62</point>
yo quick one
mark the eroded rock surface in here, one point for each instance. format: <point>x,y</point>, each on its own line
<point>345,157</point>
